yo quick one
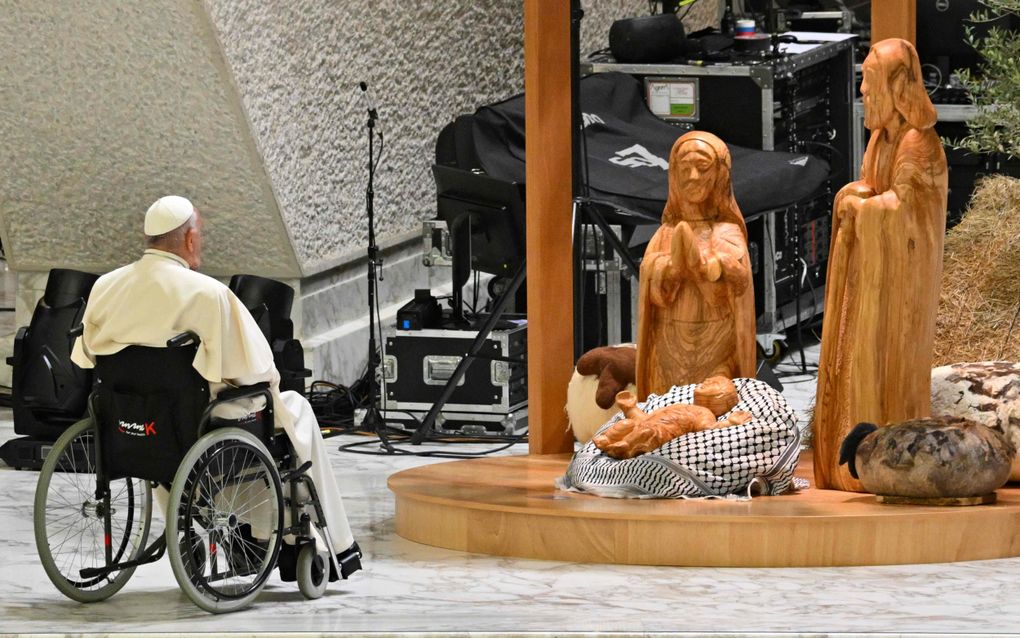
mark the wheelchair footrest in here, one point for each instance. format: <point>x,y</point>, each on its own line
<point>349,560</point>
<point>150,554</point>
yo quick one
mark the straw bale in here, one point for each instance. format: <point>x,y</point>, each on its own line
<point>980,299</point>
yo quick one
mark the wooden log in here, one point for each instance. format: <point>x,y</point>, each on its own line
<point>885,264</point>
<point>550,279</point>
<point>894,19</point>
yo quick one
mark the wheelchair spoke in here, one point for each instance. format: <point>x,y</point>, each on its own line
<point>70,527</point>
<point>229,493</point>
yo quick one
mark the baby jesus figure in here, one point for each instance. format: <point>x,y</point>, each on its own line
<point>639,432</point>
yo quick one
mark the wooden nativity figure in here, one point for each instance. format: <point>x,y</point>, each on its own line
<point>639,432</point>
<point>696,301</point>
<point>885,263</point>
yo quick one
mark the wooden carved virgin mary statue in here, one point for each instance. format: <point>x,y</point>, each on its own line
<point>696,302</point>
<point>885,263</point>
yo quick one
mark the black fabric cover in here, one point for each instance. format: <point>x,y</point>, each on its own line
<point>148,405</point>
<point>627,150</point>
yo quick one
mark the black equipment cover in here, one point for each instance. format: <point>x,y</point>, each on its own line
<point>627,152</point>
<point>656,38</point>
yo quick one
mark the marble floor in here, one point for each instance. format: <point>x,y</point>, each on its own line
<point>406,587</point>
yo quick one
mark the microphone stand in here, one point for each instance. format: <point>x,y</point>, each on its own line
<point>373,421</point>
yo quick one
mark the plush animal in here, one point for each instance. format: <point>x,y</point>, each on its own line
<point>933,458</point>
<point>599,376</point>
<point>639,433</point>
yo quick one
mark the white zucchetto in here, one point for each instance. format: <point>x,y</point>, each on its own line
<point>166,214</point>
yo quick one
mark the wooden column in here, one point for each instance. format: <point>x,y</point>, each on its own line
<point>894,19</point>
<point>550,284</point>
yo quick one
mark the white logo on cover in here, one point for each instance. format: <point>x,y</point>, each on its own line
<point>138,429</point>
<point>638,156</point>
<point>590,119</point>
<point>800,161</point>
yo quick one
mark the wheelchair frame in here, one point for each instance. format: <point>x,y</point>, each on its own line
<point>300,528</point>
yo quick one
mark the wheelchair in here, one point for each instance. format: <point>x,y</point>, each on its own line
<point>151,424</point>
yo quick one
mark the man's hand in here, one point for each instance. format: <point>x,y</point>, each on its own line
<point>849,209</point>
<point>859,188</point>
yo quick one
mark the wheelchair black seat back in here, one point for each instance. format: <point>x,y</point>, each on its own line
<point>151,422</point>
<point>148,402</point>
<point>150,405</point>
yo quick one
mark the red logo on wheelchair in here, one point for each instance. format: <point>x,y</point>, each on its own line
<point>137,429</point>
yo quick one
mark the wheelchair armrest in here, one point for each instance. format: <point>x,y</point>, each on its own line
<point>232,394</point>
<point>243,392</point>
<point>303,373</point>
<point>184,339</point>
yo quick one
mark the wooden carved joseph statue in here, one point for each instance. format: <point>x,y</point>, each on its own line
<point>696,304</point>
<point>885,263</point>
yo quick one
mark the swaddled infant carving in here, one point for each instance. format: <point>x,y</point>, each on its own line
<point>639,432</point>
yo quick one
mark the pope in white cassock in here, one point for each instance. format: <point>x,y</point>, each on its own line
<point>160,296</point>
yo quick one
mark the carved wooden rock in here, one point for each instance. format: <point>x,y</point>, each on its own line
<point>696,303</point>
<point>987,392</point>
<point>933,458</point>
<point>885,262</point>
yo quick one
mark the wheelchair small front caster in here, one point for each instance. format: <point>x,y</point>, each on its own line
<point>312,571</point>
<point>775,353</point>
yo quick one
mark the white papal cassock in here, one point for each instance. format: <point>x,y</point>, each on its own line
<point>158,297</point>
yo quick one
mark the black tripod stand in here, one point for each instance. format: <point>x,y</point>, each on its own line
<point>373,421</point>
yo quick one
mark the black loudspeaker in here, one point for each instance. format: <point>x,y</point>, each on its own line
<point>658,38</point>
<point>49,392</point>
<point>270,303</point>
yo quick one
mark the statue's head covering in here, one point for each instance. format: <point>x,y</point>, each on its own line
<point>902,70</point>
<point>166,214</point>
<point>720,201</point>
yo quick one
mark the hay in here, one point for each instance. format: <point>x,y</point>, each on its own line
<point>980,298</point>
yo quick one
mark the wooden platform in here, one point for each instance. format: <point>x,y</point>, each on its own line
<point>508,506</point>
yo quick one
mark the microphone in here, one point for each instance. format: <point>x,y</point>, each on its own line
<point>369,102</point>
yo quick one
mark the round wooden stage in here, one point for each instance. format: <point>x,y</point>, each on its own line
<point>508,506</point>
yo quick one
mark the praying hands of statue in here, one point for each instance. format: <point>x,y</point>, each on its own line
<point>694,256</point>
<point>639,433</point>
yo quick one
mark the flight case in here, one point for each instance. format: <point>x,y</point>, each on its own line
<point>418,363</point>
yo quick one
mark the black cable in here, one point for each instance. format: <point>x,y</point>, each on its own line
<point>689,7</point>
<point>380,432</point>
<point>798,288</point>
<point>392,450</point>
<point>474,298</point>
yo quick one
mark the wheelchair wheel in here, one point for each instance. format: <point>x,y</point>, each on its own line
<point>68,518</point>
<point>226,500</point>
<point>312,571</point>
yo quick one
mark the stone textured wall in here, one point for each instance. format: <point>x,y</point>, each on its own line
<point>105,106</point>
<point>298,64</point>
<point>251,109</point>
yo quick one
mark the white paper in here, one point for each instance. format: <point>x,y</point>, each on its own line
<point>817,36</point>
<point>796,47</point>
